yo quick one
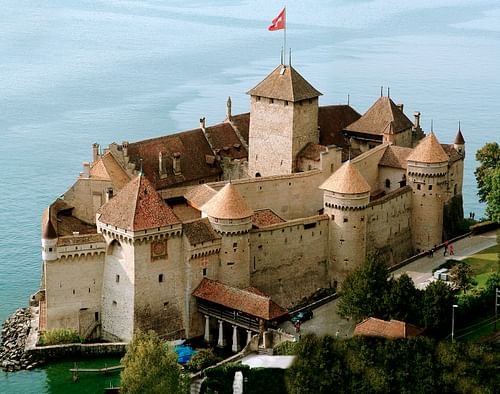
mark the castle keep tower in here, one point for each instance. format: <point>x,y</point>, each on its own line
<point>231,217</point>
<point>427,173</point>
<point>346,196</point>
<point>283,120</point>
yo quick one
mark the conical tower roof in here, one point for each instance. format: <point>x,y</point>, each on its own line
<point>136,207</point>
<point>459,138</point>
<point>227,204</point>
<point>429,150</point>
<point>347,179</point>
<point>384,116</point>
<point>285,83</point>
<point>48,230</point>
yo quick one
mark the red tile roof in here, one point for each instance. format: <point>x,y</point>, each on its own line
<point>227,204</point>
<point>311,152</point>
<point>199,231</point>
<point>137,207</point>
<point>429,151</point>
<point>285,83</point>
<point>382,116</point>
<point>193,149</point>
<point>459,138</point>
<point>107,168</point>
<point>242,124</point>
<point>332,120</point>
<point>347,179</point>
<point>199,195</point>
<point>244,300</point>
<point>265,217</point>
<point>387,329</point>
<point>395,156</point>
<point>225,141</point>
<point>452,152</point>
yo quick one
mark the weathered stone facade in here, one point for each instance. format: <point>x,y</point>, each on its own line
<point>129,244</point>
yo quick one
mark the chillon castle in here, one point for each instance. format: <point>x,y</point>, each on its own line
<point>220,229</point>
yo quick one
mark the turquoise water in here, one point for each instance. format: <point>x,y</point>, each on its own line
<point>76,72</point>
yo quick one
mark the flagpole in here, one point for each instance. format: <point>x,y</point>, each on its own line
<point>284,37</point>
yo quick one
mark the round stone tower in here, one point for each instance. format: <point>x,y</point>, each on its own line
<point>427,175</point>
<point>231,217</point>
<point>49,237</point>
<point>346,195</point>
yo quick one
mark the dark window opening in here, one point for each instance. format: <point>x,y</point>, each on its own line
<point>419,186</point>
<point>160,278</point>
<point>204,272</point>
<point>73,291</point>
<point>309,225</point>
<point>117,279</point>
<point>345,220</point>
<point>235,244</point>
<point>96,316</point>
<point>230,263</point>
<point>388,183</point>
<point>430,187</point>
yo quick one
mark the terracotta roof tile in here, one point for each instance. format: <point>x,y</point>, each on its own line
<point>242,123</point>
<point>48,230</point>
<point>193,148</point>
<point>107,168</point>
<point>227,204</point>
<point>199,231</point>
<point>428,150</point>
<point>332,120</point>
<point>347,179</point>
<point>225,141</point>
<point>452,152</point>
<point>285,83</point>
<point>137,207</point>
<point>311,152</point>
<point>378,119</point>
<point>387,329</point>
<point>395,156</point>
<point>241,300</point>
<point>459,138</point>
<point>199,195</point>
<point>265,217</point>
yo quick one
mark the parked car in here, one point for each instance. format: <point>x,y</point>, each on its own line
<point>301,316</point>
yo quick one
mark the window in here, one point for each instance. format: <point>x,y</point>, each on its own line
<point>115,303</point>
<point>345,220</point>
<point>271,101</point>
<point>204,272</point>
<point>309,225</point>
<point>430,187</point>
<point>117,279</point>
<point>419,186</point>
<point>160,278</point>
<point>388,183</point>
<point>50,249</point>
<point>235,244</point>
<point>96,316</point>
<point>286,103</point>
<point>73,291</point>
<point>230,263</point>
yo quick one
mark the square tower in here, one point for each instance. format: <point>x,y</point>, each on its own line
<point>283,120</point>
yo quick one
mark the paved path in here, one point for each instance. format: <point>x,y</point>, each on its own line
<point>421,270</point>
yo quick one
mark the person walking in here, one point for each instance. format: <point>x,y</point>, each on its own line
<point>445,248</point>
<point>451,250</point>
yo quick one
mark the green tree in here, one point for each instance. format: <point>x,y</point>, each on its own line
<point>489,158</point>
<point>202,359</point>
<point>403,300</point>
<point>364,289</point>
<point>151,367</point>
<point>493,197</point>
<point>461,276</point>
<point>437,302</point>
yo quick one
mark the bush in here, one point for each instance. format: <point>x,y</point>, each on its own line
<point>285,348</point>
<point>59,336</point>
<point>202,359</point>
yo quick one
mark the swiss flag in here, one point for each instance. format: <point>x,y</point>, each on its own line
<point>278,23</point>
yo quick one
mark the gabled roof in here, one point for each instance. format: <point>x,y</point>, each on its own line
<point>199,231</point>
<point>242,123</point>
<point>378,118</point>
<point>108,169</point>
<point>244,300</point>
<point>199,195</point>
<point>387,329</point>
<point>285,83</point>
<point>452,152</point>
<point>459,138</point>
<point>332,119</point>
<point>429,151</point>
<point>265,217</point>
<point>395,157</point>
<point>225,141</point>
<point>347,179</point>
<point>227,204</point>
<point>193,149</point>
<point>136,207</point>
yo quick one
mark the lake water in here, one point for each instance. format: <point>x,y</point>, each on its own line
<point>77,72</point>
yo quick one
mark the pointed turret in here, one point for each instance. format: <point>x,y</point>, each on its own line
<point>459,142</point>
<point>49,236</point>
<point>227,204</point>
<point>429,151</point>
<point>136,207</point>
<point>346,180</point>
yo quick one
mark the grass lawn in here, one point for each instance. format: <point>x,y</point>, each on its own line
<point>483,264</point>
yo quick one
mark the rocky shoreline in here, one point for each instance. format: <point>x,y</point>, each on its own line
<point>15,331</point>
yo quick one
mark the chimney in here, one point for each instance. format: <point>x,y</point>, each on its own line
<point>228,108</point>
<point>95,152</point>
<point>109,193</point>
<point>176,162</point>
<point>202,123</point>
<point>86,170</point>
<point>160,163</point>
<point>400,106</point>
<point>125,148</point>
<point>417,120</point>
